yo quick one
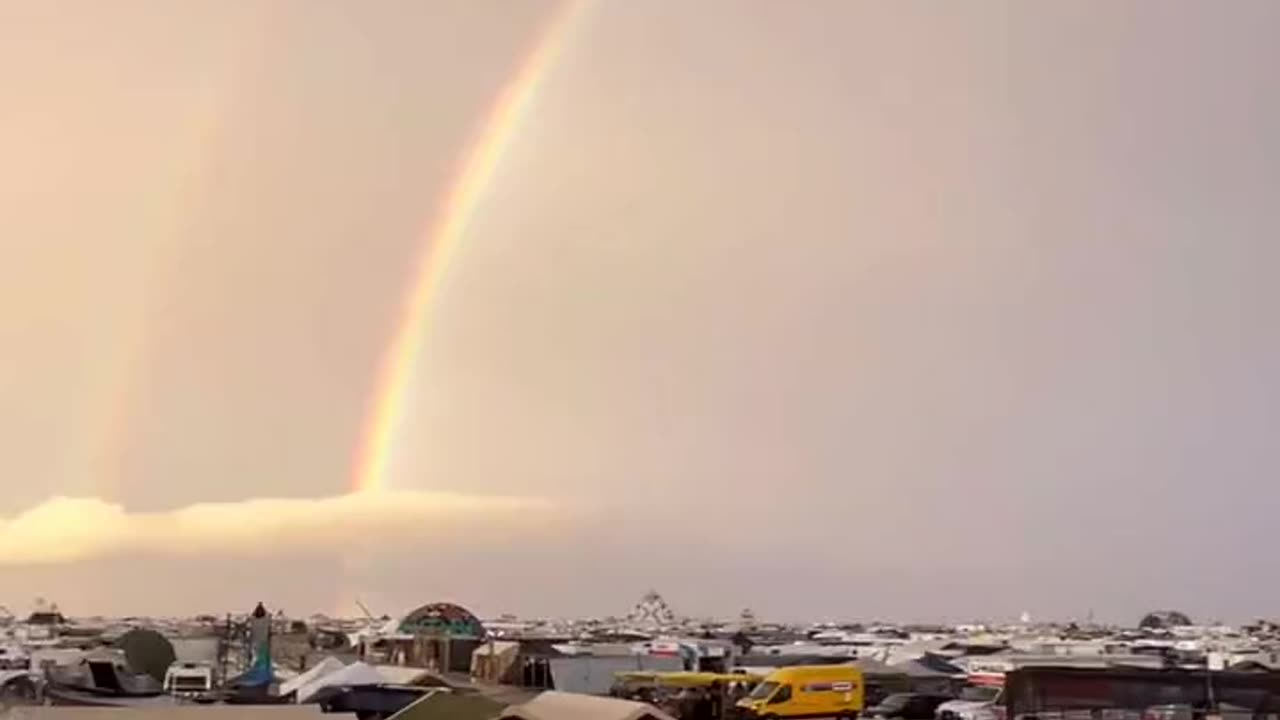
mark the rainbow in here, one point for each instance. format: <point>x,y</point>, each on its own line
<point>121,375</point>
<point>440,245</point>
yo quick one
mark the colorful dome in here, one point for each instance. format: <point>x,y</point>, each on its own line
<point>443,619</point>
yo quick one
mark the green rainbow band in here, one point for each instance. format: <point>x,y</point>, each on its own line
<point>441,242</point>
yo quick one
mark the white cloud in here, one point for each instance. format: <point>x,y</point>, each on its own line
<point>63,529</point>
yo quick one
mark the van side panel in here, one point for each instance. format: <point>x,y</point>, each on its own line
<point>818,691</point>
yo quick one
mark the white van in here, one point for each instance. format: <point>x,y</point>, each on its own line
<point>188,680</point>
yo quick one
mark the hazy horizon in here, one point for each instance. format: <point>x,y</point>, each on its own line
<point>896,310</point>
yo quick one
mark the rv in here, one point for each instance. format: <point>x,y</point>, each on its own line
<point>188,680</point>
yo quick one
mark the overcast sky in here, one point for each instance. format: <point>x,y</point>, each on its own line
<point>907,310</point>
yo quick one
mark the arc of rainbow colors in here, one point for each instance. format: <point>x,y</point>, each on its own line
<point>120,377</point>
<point>476,174</point>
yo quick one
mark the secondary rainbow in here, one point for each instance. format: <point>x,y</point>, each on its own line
<point>441,242</point>
<point>120,377</point>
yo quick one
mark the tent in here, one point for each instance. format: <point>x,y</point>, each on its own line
<point>353,675</point>
<point>594,675</point>
<point>444,705</point>
<point>882,679</point>
<point>917,669</point>
<point>925,678</point>
<point>571,706</point>
<point>874,668</point>
<point>495,660</point>
<point>418,677</point>
<point>147,652</point>
<point>322,669</point>
<point>940,664</point>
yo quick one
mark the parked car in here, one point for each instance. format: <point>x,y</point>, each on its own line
<point>908,706</point>
<point>976,702</point>
<point>1169,712</point>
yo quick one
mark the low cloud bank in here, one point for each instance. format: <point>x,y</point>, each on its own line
<point>65,529</point>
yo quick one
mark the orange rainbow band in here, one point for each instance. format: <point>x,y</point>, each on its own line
<point>440,246</point>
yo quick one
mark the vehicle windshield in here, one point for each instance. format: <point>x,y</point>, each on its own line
<point>979,693</point>
<point>763,690</point>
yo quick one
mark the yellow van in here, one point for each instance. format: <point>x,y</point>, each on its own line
<point>807,691</point>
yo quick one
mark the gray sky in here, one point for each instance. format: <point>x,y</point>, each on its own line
<point>834,309</point>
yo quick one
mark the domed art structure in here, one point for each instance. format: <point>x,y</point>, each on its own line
<point>443,620</point>
<point>1163,620</point>
<point>147,652</point>
<point>441,636</point>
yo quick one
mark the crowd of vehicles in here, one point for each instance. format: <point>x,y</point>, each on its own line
<point>687,695</point>
<point>801,692</point>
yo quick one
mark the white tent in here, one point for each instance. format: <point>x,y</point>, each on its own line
<point>402,675</point>
<point>352,675</point>
<point>572,706</point>
<point>327,666</point>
